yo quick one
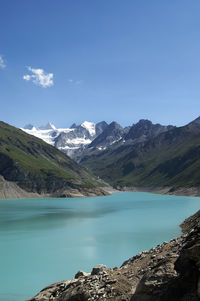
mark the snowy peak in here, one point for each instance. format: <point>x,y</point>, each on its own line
<point>90,127</point>
<point>112,133</point>
<point>69,140</point>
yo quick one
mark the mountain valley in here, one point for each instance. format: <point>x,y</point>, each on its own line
<point>144,156</point>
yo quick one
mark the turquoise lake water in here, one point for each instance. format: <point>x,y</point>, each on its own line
<point>47,240</point>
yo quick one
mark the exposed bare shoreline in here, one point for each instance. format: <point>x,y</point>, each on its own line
<point>180,191</point>
<point>10,190</point>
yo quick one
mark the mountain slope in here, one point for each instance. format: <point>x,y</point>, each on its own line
<point>36,166</point>
<point>170,159</point>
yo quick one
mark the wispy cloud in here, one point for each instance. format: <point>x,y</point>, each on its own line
<point>76,82</point>
<point>2,63</point>
<point>39,77</point>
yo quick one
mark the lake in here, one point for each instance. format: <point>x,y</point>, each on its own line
<point>47,240</point>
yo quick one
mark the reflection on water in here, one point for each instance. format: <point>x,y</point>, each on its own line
<point>47,240</point>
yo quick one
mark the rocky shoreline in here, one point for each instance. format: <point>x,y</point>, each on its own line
<point>169,190</point>
<point>168,272</point>
<point>10,190</point>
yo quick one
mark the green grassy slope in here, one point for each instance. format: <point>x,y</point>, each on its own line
<point>37,166</point>
<point>170,159</point>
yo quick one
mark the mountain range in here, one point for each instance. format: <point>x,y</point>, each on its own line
<point>37,167</point>
<point>79,140</point>
<point>168,156</point>
<point>143,155</point>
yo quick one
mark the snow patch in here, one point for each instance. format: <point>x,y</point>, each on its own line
<point>90,126</point>
<point>42,134</point>
<point>117,140</point>
<point>78,141</point>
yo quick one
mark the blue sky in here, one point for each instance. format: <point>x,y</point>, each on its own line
<point>73,60</point>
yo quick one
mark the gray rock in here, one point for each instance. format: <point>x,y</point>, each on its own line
<point>81,274</point>
<point>99,269</point>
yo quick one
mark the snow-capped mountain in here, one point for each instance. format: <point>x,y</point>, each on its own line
<point>69,140</point>
<point>84,140</point>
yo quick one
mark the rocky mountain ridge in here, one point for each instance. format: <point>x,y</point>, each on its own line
<point>113,133</point>
<point>168,272</point>
<point>82,140</point>
<point>145,130</point>
<point>117,139</point>
<point>169,159</point>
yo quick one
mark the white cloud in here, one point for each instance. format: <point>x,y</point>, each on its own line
<point>39,77</point>
<point>2,63</point>
<point>27,77</point>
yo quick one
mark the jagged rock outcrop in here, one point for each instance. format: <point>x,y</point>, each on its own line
<point>169,272</point>
<point>113,133</point>
<point>145,130</point>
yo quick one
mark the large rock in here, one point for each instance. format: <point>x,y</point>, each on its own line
<point>80,274</point>
<point>99,269</point>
